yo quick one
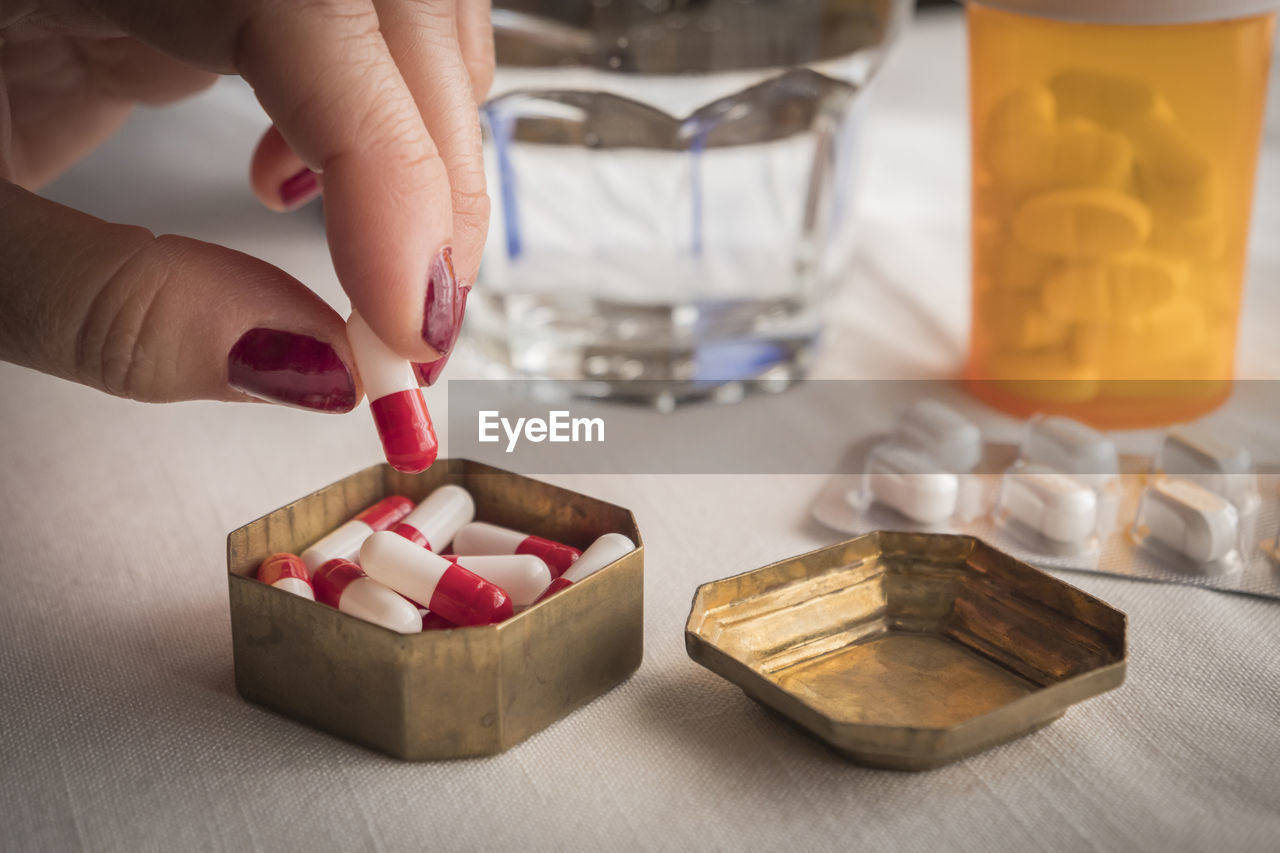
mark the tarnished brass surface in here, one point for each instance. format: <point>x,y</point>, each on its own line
<point>908,650</point>
<point>438,694</point>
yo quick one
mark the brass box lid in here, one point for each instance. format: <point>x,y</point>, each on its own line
<point>907,650</point>
<point>437,694</point>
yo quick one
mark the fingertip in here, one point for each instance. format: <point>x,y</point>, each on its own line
<point>388,262</point>
<point>280,180</point>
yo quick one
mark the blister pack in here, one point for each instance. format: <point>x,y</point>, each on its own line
<point>1195,509</point>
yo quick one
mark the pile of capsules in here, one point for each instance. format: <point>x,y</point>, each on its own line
<point>389,565</point>
<point>1101,237</point>
<point>1194,506</point>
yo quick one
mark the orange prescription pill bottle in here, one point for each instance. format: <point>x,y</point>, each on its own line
<point>1114,150</point>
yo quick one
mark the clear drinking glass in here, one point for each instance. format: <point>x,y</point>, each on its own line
<point>670,183</point>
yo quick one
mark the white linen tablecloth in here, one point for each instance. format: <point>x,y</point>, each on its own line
<point>120,728</point>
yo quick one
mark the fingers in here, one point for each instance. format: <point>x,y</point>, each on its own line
<point>130,70</point>
<point>65,96</point>
<point>325,76</point>
<point>475,37</point>
<point>279,178</point>
<point>161,318</point>
<point>423,38</point>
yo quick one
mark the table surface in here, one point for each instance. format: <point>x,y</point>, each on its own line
<point>120,727</point>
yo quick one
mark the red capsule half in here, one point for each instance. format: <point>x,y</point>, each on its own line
<point>386,512</point>
<point>465,598</point>
<point>404,425</point>
<point>557,557</point>
<point>333,578</point>
<point>287,572</point>
<point>556,586</point>
<point>413,534</point>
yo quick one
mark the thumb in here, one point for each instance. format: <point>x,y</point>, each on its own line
<point>161,318</point>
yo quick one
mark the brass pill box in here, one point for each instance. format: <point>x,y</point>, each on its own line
<point>906,650</point>
<point>437,694</point>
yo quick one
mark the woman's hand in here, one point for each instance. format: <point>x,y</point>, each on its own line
<point>373,100</point>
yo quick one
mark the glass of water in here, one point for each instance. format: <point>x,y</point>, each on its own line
<point>670,183</point>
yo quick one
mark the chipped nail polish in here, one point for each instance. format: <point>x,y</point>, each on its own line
<point>441,313</point>
<point>292,369</point>
<point>429,371</point>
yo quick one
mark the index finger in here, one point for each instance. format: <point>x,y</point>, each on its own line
<point>323,73</point>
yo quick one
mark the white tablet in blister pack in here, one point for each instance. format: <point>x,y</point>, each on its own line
<point>1072,448</point>
<point>1038,499</point>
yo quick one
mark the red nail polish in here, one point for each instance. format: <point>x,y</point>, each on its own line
<point>429,371</point>
<point>299,188</point>
<point>441,313</point>
<point>295,370</point>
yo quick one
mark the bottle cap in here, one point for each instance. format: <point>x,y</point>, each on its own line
<point>1135,11</point>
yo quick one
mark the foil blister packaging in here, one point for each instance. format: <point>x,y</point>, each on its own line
<point>1196,509</point>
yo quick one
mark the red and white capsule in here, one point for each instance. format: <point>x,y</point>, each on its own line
<point>607,549</point>
<point>434,521</point>
<point>344,542</point>
<point>434,621</point>
<point>346,586</point>
<point>287,572</point>
<point>399,410</point>
<point>479,537</point>
<point>523,577</point>
<point>443,587</point>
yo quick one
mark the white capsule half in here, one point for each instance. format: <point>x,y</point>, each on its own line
<point>480,537</point>
<point>600,553</point>
<point>1223,468</point>
<point>381,371</point>
<point>943,433</point>
<point>367,599</point>
<point>1189,519</point>
<point>404,566</point>
<point>342,544</point>
<point>1056,506</point>
<point>523,577</point>
<point>911,482</point>
<point>440,516</point>
<point>297,586</point>
<point>1072,448</point>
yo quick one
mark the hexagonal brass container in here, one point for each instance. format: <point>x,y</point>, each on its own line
<point>908,651</point>
<point>438,694</point>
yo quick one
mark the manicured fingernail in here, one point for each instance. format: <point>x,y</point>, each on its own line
<point>299,188</point>
<point>441,314</point>
<point>295,370</point>
<point>429,371</point>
